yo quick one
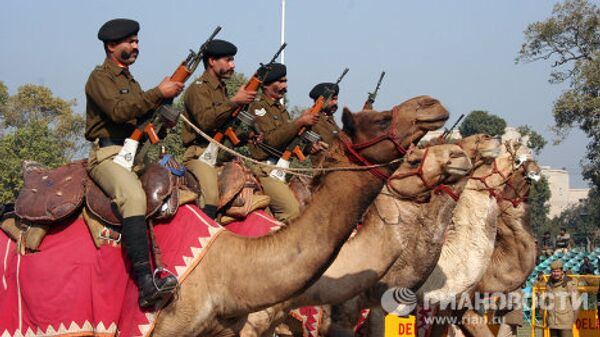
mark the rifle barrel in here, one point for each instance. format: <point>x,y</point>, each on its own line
<point>281,48</point>
<point>342,76</point>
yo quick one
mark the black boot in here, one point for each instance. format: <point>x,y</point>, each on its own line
<point>150,293</point>
<point>210,210</point>
<point>135,238</point>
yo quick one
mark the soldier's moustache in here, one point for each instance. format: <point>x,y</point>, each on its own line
<point>125,55</point>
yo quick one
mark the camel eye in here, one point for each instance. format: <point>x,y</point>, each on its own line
<point>456,155</point>
<point>414,162</point>
<point>384,122</point>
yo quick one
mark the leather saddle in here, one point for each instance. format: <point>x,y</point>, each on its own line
<point>51,195</point>
<point>240,192</point>
<point>161,182</point>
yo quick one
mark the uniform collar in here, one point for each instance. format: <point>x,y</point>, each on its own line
<point>212,81</point>
<point>115,68</point>
<point>272,102</point>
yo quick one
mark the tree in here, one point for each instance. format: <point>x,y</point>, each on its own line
<point>535,141</point>
<point>34,141</point>
<point>539,195</point>
<point>3,95</point>
<point>37,126</point>
<point>482,122</point>
<point>571,39</point>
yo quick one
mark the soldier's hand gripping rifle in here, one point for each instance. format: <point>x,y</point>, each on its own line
<point>372,95</point>
<point>300,145</point>
<point>164,114</point>
<point>241,122</point>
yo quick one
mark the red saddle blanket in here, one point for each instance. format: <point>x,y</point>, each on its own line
<point>70,288</point>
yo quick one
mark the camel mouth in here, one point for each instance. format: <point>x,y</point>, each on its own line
<point>432,119</point>
<point>491,153</point>
<point>458,170</point>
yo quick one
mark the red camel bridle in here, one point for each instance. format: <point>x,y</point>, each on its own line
<point>391,134</point>
<point>521,195</point>
<point>419,172</point>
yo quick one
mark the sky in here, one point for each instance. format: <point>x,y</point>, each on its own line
<point>460,52</point>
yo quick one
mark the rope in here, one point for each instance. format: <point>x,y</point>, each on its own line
<point>292,171</point>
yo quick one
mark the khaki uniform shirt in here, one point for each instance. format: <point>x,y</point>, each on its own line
<point>207,106</point>
<point>562,315</point>
<point>273,120</point>
<point>113,102</point>
<point>326,128</point>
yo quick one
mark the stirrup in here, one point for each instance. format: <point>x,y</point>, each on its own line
<point>155,278</point>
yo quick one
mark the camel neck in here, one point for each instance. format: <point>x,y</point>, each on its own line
<point>293,257</point>
<point>391,228</point>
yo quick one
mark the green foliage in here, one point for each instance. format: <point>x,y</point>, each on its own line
<point>37,126</point>
<point>34,141</point>
<point>3,94</point>
<point>539,195</point>
<point>234,83</point>
<point>37,103</point>
<point>536,142</point>
<point>482,122</point>
<point>571,39</point>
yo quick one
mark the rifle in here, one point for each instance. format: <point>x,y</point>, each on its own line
<point>448,131</point>
<point>241,122</point>
<point>305,137</point>
<point>372,95</point>
<point>164,113</point>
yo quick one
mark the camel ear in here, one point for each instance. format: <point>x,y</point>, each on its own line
<point>348,122</point>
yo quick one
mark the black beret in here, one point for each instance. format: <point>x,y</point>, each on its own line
<point>219,48</point>
<point>276,72</point>
<point>118,29</point>
<point>322,88</point>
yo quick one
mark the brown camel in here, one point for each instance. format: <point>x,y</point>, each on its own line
<point>514,254</point>
<point>241,275</point>
<point>403,212</point>
<point>417,264</point>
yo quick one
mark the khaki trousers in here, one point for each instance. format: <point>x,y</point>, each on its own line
<point>207,176</point>
<point>121,185</point>
<point>283,204</point>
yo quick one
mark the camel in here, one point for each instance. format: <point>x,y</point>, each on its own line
<point>465,254</point>
<point>411,233</point>
<point>241,275</point>
<point>514,254</point>
<point>390,228</point>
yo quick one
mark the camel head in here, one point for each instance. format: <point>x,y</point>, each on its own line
<point>517,189</point>
<point>424,169</point>
<point>406,123</point>
<point>480,148</point>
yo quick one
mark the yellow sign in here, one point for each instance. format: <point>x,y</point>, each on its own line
<point>400,326</point>
<point>586,324</point>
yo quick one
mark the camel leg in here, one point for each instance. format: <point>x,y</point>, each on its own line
<point>473,325</point>
<point>375,324</point>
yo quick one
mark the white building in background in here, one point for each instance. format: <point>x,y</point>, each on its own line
<point>563,196</point>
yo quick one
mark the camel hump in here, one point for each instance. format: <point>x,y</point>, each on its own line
<point>51,195</point>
